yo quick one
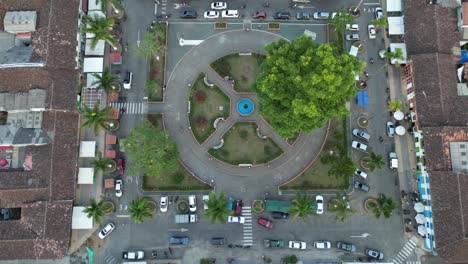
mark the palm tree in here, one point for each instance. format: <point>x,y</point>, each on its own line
<point>383,206</point>
<point>394,106</point>
<point>96,118</point>
<point>342,206</point>
<point>96,210</point>
<point>105,80</point>
<point>374,161</point>
<point>139,209</point>
<point>114,3</point>
<point>101,27</point>
<point>303,206</point>
<point>380,22</point>
<point>101,164</point>
<point>217,208</point>
<point>395,56</point>
<point>342,167</point>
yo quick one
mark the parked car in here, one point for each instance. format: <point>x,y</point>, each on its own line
<point>319,201</point>
<point>211,14</point>
<point>120,166</point>
<point>375,254</point>
<point>118,188</point>
<point>390,129</point>
<point>297,245</point>
<point>361,134</point>
<point>179,240</point>
<point>281,15</point>
<point>345,246</point>
<point>371,30</point>
<point>322,244</point>
<point>188,13</point>
<point>270,243</point>
<point>218,241</point>
<point>359,146</point>
<point>279,215</point>
<point>302,15</point>
<point>352,27</point>
<point>361,186</point>
<point>361,173</point>
<point>127,83</point>
<point>106,230</point>
<point>259,15</point>
<point>352,36</point>
<point>163,203</point>
<point>219,5</point>
<point>138,254</point>
<point>205,199</point>
<point>230,14</point>
<point>192,199</point>
<point>378,13</point>
<point>236,219</point>
<point>321,15</point>
<point>266,223</point>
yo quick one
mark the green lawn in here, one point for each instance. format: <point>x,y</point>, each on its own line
<point>316,177</point>
<point>154,85</point>
<point>204,113</point>
<point>243,69</point>
<point>243,146</point>
<point>180,180</point>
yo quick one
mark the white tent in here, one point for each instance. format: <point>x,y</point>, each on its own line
<point>394,6</point>
<point>400,130</point>
<point>396,26</point>
<point>97,51</point>
<point>353,51</point>
<point>86,176</point>
<point>93,64</point>
<point>87,149</point>
<point>93,6</point>
<point>80,220</point>
<point>398,115</point>
<point>402,47</point>
<point>90,79</point>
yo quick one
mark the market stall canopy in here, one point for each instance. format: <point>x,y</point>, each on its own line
<point>402,47</point>
<point>111,139</point>
<point>398,115</point>
<point>86,176</point>
<point>93,65</point>
<point>396,26</point>
<point>419,207</point>
<point>97,51</point>
<point>87,149</point>
<point>91,80</point>
<point>363,98</point>
<point>394,6</point>
<point>110,153</point>
<point>400,130</point>
<point>109,183</point>
<point>422,230</point>
<point>80,220</point>
<point>420,219</point>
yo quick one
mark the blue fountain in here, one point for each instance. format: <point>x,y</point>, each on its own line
<point>245,107</point>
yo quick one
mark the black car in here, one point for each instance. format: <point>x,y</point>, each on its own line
<point>179,240</point>
<point>280,215</point>
<point>281,15</point>
<point>345,246</point>
<point>218,241</point>
<point>188,14</point>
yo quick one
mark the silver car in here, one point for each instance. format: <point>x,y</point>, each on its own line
<point>390,129</point>
<point>321,15</point>
<point>361,134</point>
<point>352,36</point>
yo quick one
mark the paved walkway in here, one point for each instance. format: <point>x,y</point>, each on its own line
<point>258,179</point>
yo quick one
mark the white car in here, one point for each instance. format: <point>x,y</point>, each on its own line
<point>297,244</point>
<point>127,84</point>
<point>359,146</point>
<point>218,5</point>
<point>192,203</point>
<point>230,14</point>
<point>361,134</point>
<point>378,13</point>
<point>371,30</point>
<point>352,27</point>
<point>118,188</point>
<point>382,54</point>
<point>319,201</point>
<point>106,230</point>
<point>322,244</point>
<point>236,219</point>
<point>133,255</point>
<point>321,15</point>
<point>205,199</point>
<point>211,14</point>
<point>352,36</point>
<point>361,173</point>
<point>163,204</point>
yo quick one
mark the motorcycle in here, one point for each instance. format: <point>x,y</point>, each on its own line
<point>266,4</point>
<point>126,47</point>
<point>167,16</point>
<point>242,6</point>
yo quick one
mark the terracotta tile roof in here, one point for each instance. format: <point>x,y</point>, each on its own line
<point>437,145</point>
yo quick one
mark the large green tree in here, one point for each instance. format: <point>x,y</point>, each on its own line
<point>340,20</point>
<point>151,151</point>
<point>303,206</point>
<point>302,84</point>
<point>140,209</point>
<point>218,209</point>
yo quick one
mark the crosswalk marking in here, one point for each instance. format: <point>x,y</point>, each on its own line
<point>110,259</point>
<point>404,253</point>
<point>247,226</point>
<point>130,108</point>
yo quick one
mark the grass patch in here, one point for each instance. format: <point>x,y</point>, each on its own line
<point>220,25</point>
<point>335,38</point>
<point>154,85</point>
<point>205,103</point>
<point>243,146</point>
<point>180,180</point>
<point>316,177</point>
<point>274,25</point>
<point>242,69</point>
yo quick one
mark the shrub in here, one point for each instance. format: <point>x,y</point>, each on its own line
<point>200,96</point>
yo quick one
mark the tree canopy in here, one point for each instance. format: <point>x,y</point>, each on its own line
<point>218,209</point>
<point>151,151</point>
<point>302,84</point>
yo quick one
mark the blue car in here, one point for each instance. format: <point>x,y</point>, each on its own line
<point>179,240</point>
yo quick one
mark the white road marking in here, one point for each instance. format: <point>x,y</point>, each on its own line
<point>123,216</point>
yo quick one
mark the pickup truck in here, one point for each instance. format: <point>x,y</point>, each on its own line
<point>185,218</point>
<point>273,243</point>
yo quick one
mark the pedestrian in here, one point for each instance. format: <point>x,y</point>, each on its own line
<point>371,60</point>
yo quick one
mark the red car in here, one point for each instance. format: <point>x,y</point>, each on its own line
<point>238,207</point>
<point>259,15</point>
<point>266,223</point>
<point>120,166</point>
